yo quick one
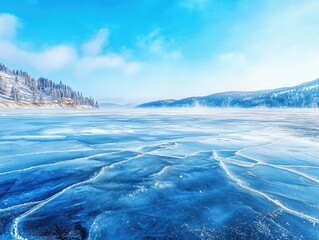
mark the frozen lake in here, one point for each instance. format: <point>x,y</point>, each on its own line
<point>159,174</point>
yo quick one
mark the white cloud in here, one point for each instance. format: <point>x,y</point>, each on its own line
<point>51,59</point>
<point>96,44</point>
<point>60,57</point>
<point>8,26</point>
<point>156,44</point>
<point>89,64</point>
<point>133,67</point>
<point>94,59</point>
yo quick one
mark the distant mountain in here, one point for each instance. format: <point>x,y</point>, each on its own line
<point>158,104</point>
<point>305,95</point>
<point>19,90</point>
<point>110,105</point>
<point>115,105</point>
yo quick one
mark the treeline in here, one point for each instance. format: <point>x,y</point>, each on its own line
<point>42,88</point>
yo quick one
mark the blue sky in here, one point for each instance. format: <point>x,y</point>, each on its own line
<point>140,50</point>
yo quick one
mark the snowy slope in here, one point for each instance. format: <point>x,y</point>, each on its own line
<point>19,89</point>
<point>303,95</point>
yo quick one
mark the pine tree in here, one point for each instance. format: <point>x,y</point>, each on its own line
<point>15,94</point>
<point>41,98</point>
<point>34,97</point>
<point>3,86</point>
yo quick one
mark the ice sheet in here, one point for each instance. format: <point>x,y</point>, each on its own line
<point>159,174</point>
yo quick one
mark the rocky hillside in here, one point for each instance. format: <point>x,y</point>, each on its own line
<point>19,89</point>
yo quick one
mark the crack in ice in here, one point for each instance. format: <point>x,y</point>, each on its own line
<point>59,162</point>
<point>15,226</point>
<point>274,201</point>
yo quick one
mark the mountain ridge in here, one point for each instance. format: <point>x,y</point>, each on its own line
<point>304,95</point>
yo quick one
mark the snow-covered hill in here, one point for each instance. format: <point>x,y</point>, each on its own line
<point>19,89</point>
<point>305,95</point>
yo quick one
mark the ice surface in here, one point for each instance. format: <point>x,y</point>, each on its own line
<point>159,174</point>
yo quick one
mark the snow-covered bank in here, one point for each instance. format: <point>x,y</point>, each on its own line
<point>5,104</point>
